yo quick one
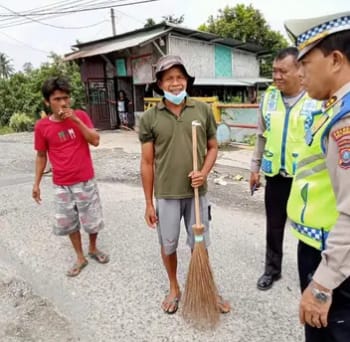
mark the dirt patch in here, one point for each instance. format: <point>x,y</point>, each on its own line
<point>25,316</point>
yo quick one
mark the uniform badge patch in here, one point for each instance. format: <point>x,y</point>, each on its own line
<point>342,138</point>
<point>344,160</point>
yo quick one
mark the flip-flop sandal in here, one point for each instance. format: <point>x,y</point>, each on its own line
<point>172,304</point>
<point>76,269</point>
<point>100,257</point>
<point>221,304</point>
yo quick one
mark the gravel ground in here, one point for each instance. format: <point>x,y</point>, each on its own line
<point>120,301</point>
<point>114,165</point>
<point>24,316</point>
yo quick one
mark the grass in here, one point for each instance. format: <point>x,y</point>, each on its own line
<point>227,147</point>
<point>6,130</point>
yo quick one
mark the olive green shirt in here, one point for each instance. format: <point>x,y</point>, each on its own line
<point>172,139</point>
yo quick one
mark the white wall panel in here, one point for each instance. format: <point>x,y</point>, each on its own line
<point>244,64</point>
<point>197,56</point>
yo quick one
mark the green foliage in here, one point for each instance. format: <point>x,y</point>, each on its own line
<point>6,67</point>
<point>149,23</point>
<point>233,99</point>
<point>5,130</point>
<point>173,20</point>
<point>21,122</point>
<point>21,92</point>
<point>247,24</point>
<point>240,22</point>
<point>249,139</point>
<point>166,19</point>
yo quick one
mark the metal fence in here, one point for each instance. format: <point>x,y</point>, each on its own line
<point>240,118</point>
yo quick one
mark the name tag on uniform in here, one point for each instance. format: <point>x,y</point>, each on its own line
<point>309,106</point>
<point>272,101</point>
<point>310,133</point>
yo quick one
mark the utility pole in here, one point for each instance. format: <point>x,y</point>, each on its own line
<point>113,21</point>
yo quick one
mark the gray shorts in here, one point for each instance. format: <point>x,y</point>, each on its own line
<point>170,212</point>
<point>76,206</point>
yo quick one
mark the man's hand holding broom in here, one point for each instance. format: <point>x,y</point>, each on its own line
<point>198,178</point>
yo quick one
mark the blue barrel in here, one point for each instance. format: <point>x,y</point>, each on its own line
<point>223,134</point>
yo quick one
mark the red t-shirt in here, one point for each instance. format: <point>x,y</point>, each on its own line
<point>68,151</point>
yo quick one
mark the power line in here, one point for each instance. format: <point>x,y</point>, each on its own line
<point>20,18</point>
<point>96,34</point>
<point>58,5</point>
<point>23,43</point>
<point>29,19</point>
<point>66,27</point>
<point>82,8</point>
<point>130,16</point>
<point>109,4</point>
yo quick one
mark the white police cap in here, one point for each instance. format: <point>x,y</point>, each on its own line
<point>307,33</point>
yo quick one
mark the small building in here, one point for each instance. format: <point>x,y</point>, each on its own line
<point>222,67</point>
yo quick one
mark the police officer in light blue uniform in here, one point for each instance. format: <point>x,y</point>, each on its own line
<point>319,204</point>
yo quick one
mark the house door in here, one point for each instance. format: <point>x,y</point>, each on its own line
<point>125,84</point>
<point>101,96</point>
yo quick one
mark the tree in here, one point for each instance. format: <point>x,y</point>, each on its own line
<point>27,67</point>
<point>21,92</point>
<point>15,96</point>
<point>166,19</point>
<point>149,23</point>
<point>6,68</point>
<point>247,24</point>
<point>173,20</point>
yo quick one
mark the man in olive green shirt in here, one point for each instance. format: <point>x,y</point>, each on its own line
<point>166,166</point>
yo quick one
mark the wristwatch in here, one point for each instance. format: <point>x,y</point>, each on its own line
<point>321,296</point>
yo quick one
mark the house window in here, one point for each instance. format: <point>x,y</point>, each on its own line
<point>142,69</point>
<point>120,66</point>
<point>223,61</point>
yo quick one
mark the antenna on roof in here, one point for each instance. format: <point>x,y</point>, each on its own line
<point>113,22</point>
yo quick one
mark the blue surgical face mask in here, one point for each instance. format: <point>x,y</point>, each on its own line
<point>175,99</point>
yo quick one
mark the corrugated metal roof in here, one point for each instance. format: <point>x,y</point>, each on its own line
<point>137,37</point>
<point>244,82</point>
<point>124,42</point>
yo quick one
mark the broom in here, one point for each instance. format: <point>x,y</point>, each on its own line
<point>200,297</point>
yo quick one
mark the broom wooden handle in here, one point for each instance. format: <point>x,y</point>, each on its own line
<point>195,168</point>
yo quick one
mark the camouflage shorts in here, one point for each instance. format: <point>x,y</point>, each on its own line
<point>76,206</point>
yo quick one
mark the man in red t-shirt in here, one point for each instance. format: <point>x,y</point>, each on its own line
<point>64,137</point>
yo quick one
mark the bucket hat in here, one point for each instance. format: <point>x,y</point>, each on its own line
<point>165,63</point>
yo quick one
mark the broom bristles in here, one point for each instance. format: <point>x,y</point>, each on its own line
<point>200,306</point>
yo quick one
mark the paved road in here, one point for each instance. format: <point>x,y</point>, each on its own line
<point>121,301</point>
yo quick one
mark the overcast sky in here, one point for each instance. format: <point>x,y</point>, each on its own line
<point>33,42</point>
